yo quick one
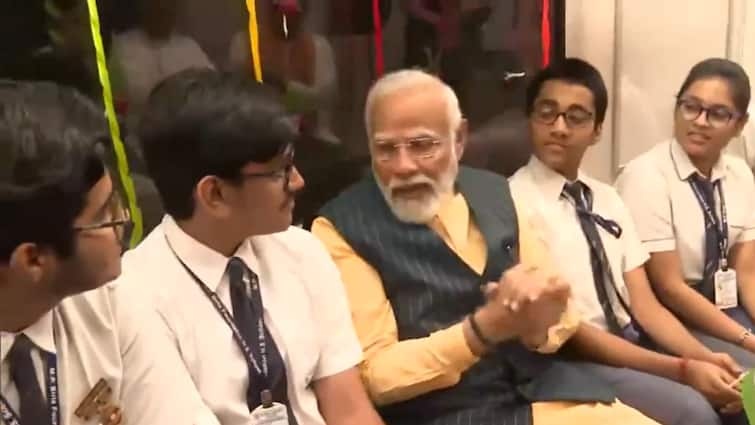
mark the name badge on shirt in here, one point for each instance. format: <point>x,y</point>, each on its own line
<point>275,414</point>
<point>98,403</point>
<point>726,288</point>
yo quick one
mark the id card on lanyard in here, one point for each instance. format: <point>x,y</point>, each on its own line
<point>259,367</point>
<point>10,417</point>
<point>724,279</point>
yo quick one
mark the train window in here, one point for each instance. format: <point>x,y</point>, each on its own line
<point>322,57</point>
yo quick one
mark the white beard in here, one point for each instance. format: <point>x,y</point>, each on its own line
<point>421,210</point>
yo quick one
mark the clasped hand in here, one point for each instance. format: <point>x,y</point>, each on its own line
<point>524,303</point>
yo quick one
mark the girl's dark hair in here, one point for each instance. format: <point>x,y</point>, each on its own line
<point>731,72</point>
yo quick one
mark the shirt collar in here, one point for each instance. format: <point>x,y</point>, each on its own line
<point>453,215</point>
<point>551,183</point>
<point>685,168</point>
<point>209,265</point>
<point>40,333</point>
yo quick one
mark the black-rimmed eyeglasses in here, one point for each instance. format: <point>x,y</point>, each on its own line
<point>120,222</point>
<point>573,117</point>
<point>717,116</point>
<point>283,173</point>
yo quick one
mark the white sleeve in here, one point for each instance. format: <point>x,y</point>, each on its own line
<point>645,194</point>
<point>747,194</point>
<point>635,254</point>
<point>156,387</point>
<point>339,346</point>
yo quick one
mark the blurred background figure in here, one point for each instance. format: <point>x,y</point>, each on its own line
<point>298,61</point>
<point>152,51</point>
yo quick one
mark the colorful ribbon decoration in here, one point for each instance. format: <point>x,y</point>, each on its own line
<point>254,39</point>
<point>748,396</point>
<point>377,23</point>
<point>545,29</point>
<point>115,133</point>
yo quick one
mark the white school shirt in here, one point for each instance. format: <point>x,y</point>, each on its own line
<point>146,62</point>
<point>103,334</point>
<point>666,212</point>
<point>540,188</point>
<point>305,310</point>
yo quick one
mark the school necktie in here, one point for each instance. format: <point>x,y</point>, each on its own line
<point>246,300</point>
<point>601,269</point>
<point>33,405</point>
<point>712,254</point>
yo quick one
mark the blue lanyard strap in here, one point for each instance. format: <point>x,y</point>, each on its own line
<point>10,417</point>
<point>722,225</point>
<point>261,367</point>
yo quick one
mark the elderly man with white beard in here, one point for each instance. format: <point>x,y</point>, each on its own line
<point>450,295</point>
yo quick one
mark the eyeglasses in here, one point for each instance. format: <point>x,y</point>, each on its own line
<point>418,148</point>
<point>573,117</point>
<point>715,116</point>
<point>283,173</point>
<point>119,220</point>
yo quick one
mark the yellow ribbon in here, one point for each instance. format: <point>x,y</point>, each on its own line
<point>115,134</point>
<point>254,39</point>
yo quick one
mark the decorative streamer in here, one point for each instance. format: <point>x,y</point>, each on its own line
<point>748,396</point>
<point>254,39</point>
<point>115,133</point>
<point>545,28</point>
<point>378,25</point>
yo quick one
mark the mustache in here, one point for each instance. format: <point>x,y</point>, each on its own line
<point>399,183</point>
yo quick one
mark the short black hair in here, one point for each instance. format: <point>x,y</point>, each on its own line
<point>731,72</point>
<point>573,71</point>
<point>51,156</point>
<point>202,122</point>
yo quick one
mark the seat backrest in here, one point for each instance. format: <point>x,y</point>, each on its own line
<point>501,145</point>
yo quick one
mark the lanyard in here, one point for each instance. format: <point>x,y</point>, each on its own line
<point>260,368</point>
<point>10,417</point>
<point>722,226</point>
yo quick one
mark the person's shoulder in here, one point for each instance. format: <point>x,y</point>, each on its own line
<point>649,167</point>
<point>737,167</point>
<point>150,271</point>
<point>650,160</point>
<point>520,176</point>
<point>90,308</point>
<point>90,332</point>
<point>301,256</point>
<point>293,243</point>
<point>105,316</point>
<point>521,186</point>
<point>183,41</point>
<point>598,186</point>
<point>149,253</point>
<point>293,236</point>
<point>609,198</point>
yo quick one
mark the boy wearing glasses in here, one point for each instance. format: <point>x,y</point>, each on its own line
<point>254,306</point>
<point>578,215</point>
<point>72,349</point>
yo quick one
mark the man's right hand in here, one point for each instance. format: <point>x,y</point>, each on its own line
<point>538,317</point>
<point>525,303</point>
<point>711,381</point>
